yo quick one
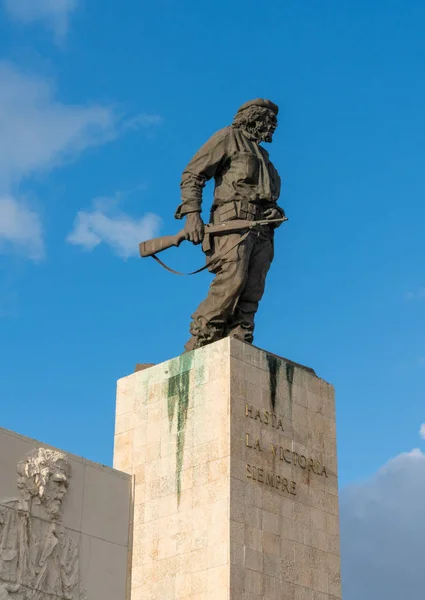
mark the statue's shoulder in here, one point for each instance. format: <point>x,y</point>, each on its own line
<point>222,134</point>
<point>219,141</point>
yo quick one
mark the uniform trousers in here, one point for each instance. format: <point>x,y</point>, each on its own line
<point>237,288</point>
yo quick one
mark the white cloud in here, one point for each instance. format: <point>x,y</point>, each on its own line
<point>112,227</point>
<point>422,431</point>
<point>38,133</point>
<point>54,13</point>
<point>383,532</point>
<point>418,295</point>
<point>142,120</point>
<point>20,229</point>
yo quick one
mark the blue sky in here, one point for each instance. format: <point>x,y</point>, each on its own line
<point>102,105</point>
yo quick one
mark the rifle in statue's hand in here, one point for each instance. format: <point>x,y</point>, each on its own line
<point>152,247</point>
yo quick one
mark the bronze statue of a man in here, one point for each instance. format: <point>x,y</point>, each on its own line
<point>247,186</point>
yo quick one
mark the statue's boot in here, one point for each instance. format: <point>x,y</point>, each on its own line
<point>241,333</point>
<point>192,344</point>
<point>238,332</point>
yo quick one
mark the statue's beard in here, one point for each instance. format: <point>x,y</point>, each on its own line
<point>53,504</point>
<point>263,132</point>
<point>267,137</point>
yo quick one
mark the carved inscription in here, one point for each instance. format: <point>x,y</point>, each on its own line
<point>264,416</point>
<point>272,479</point>
<point>293,458</point>
<point>283,453</point>
<point>252,444</point>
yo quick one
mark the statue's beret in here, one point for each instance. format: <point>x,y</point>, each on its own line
<point>260,102</point>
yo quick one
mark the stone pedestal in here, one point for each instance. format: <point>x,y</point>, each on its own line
<point>233,455</point>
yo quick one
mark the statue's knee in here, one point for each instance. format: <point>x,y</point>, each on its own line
<point>237,282</point>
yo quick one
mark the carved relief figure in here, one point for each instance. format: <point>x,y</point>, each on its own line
<point>38,559</point>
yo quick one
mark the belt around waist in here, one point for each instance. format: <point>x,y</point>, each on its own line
<point>238,209</point>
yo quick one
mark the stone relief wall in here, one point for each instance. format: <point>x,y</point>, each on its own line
<point>38,558</point>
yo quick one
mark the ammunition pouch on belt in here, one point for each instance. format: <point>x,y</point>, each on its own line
<point>236,210</point>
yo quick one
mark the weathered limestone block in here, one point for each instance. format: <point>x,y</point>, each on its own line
<point>233,455</point>
<point>64,524</point>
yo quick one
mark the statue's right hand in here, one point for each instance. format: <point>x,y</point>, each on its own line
<point>194,228</point>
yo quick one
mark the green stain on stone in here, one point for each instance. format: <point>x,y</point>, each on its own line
<point>178,398</point>
<point>171,401</point>
<point>290,378</point>
<point>200,375</point>
<point>274,365</point>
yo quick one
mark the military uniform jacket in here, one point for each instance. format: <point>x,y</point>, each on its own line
<point>240,166</point>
